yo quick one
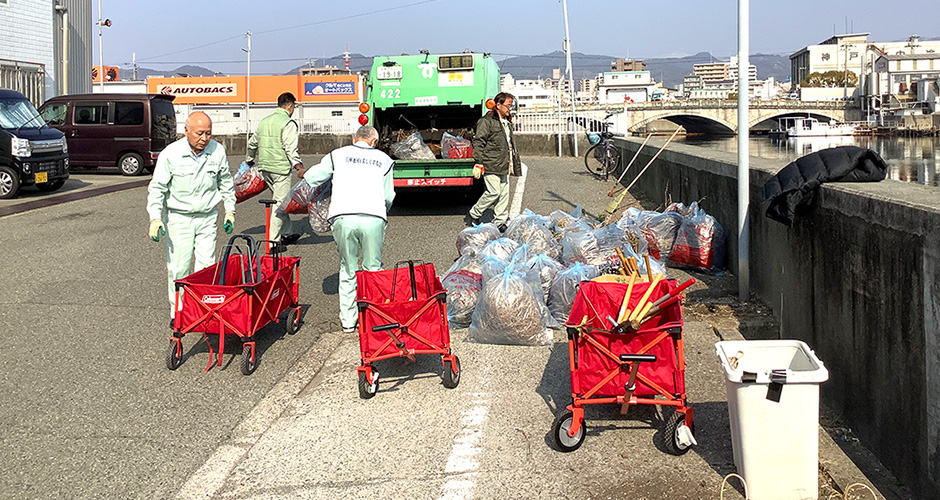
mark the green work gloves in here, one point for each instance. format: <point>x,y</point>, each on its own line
<point>229,224</point>
<point>156,229</point>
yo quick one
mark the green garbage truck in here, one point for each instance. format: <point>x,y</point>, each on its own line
<point>425,108</point>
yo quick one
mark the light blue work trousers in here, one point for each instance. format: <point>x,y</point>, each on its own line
<point>354,234</point>
<point>188,235</point>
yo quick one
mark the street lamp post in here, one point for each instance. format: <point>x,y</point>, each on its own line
<point>106,22</point>
<point>744,170</point>
<point>248,91</point>
<point>574,136</point>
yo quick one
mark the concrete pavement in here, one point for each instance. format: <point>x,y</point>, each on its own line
<point>91,412</point>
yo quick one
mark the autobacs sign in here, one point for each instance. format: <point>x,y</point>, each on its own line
<point>202,89</point>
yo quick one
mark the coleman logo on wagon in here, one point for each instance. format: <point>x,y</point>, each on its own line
<point>203,89</point>
<point>276,294</point>
<point>213,299</point>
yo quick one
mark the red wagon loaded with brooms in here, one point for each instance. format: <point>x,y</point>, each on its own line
<point>625,347</point>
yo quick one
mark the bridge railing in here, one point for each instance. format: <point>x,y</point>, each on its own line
<point>551,123</point>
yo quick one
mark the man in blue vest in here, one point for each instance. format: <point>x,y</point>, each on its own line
<point>363,190</point>
<point>275,144</point>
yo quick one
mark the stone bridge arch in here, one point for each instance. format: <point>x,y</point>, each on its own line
<point>693,122</point>
<point>775,115</point>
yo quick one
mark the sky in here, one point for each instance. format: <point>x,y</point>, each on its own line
<point>285,33</point>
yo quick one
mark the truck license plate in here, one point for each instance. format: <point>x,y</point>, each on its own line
<point>41,177</point>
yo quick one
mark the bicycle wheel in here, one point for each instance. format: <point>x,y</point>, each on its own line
<point>592,162</point>
<point>611,160</point>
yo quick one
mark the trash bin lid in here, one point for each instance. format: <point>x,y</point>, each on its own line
<point>764,361</point>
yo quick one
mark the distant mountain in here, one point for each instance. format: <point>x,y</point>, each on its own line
<point>144,73</point>
<point>667,70</point>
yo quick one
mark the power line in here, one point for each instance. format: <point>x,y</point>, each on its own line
<point>325,21</point>
<point>352,16</point>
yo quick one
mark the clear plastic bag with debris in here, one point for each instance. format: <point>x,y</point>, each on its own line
<point>546,268</point>
<point>700,244</point>
<point>470,262</point>
<point>493,266</point>
<point>412,148</point>
<point>658,229</point>
<point>455,147</point>
<point>500,247</point>
<point>511,310</point>
<point>463,289</point>
<point>318,209</point>
<point>473,239</point>
<point>579,246</point>
<point>564,288</point>
<point>533,230</point>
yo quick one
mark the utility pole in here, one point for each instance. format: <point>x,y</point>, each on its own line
<point>248,92</point>
<point>744,170</point>
<point>574,137</point>
<point>106,22</point>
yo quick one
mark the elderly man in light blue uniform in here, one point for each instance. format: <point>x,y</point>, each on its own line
<point>190,179</point>
<point>363,191</point>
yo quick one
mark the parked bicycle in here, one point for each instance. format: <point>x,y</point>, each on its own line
<point>603,157</point>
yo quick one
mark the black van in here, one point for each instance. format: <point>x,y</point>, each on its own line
<point>107,130</point>
<point>30,151</point>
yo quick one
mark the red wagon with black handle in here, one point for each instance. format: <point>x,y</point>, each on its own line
<point>610,364</point>
<point>238,296</point>
<point>402,313</point>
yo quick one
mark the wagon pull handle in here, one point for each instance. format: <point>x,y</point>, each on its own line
<point>630,386</point>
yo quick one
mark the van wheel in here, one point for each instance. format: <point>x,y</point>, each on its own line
<point>48,187</point>
<point>9,183</point>
<point>131,164</point>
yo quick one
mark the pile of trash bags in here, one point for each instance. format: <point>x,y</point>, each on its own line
<point>516,287</point>
<point>682,236</point>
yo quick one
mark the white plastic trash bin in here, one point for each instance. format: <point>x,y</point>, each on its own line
<point>773,405</point>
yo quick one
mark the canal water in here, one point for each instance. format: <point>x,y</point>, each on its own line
<point>909,159</point>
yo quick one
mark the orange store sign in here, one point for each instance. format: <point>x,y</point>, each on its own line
<point>264,88</point>
<point>203,89</point>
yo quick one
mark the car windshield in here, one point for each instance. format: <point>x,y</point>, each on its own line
<point>18,112</point>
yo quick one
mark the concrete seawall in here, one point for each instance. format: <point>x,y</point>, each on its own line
<point>857,278</point>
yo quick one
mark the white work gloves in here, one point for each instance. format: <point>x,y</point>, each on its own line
<point>229,224</point>
<point>156,229</point>
<point>477,171</point>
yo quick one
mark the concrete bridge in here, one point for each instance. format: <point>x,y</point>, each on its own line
<point>721,116</point>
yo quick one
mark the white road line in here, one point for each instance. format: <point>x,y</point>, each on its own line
<point>516,206</point>
<point>463,461</point>
<point>211,477</point>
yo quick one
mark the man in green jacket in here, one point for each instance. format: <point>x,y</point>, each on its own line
<point>275,144</point>
<point>496,159</point>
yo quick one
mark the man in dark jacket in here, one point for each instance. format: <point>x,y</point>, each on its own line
<point>496,159</point>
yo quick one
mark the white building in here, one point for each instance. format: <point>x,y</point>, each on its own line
<point>33,38</point>
<point>853,53</point>
<point>618,87</point>
<point>539,93</point>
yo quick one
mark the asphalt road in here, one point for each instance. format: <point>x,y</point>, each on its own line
<point>90,411</point>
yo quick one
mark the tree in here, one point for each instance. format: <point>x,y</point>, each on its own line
<point>832,78</point>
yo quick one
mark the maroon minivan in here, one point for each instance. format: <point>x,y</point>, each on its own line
<point>105,130</point>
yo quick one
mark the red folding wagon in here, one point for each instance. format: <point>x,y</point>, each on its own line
<point>610,363</point>
<point>238,295</point>
<point>402,313</point>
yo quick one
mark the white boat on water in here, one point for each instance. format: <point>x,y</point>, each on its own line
<point>811,127</point>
